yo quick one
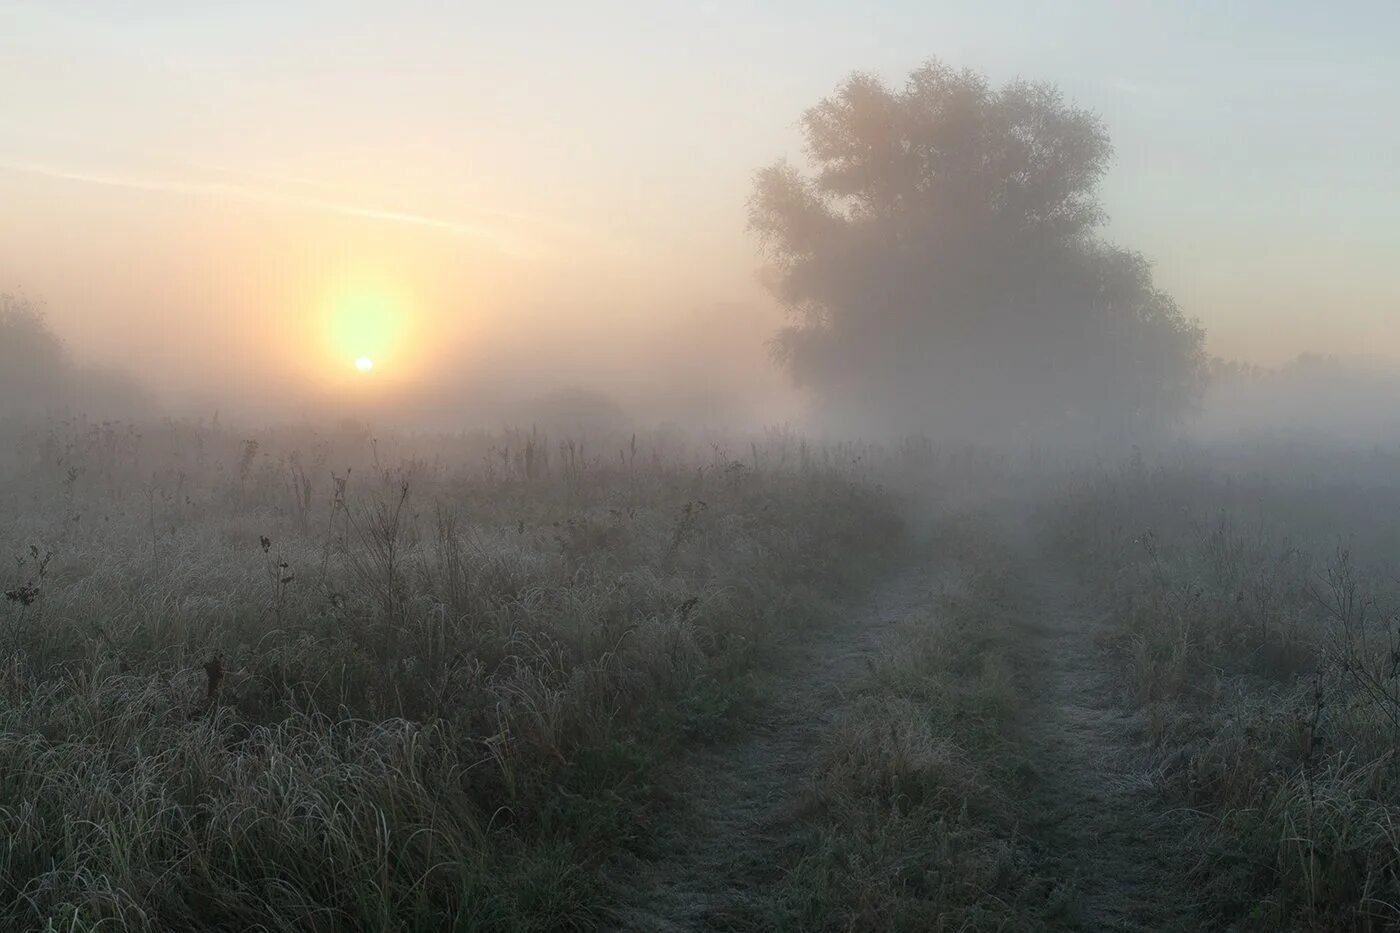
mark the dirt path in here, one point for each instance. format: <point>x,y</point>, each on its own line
<point>746,798</point>
<point>1097,822</point>
<point>1094,823</point>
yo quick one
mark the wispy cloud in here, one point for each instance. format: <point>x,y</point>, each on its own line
<point>493,236</point>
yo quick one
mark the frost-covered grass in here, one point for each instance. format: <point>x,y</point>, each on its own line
<point>320,682</point>
<point>1255,618</point>
<point>914,817</point>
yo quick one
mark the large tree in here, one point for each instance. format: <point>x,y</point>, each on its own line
<point>943,269</point>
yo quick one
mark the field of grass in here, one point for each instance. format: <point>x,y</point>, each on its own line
<point>294,680</point>
<point>1254,618</point>
<point>291,681</point>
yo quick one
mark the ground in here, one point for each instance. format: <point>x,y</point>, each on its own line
<point>1103,840</point>
<point>743,800</point>
<point>1100,822</point>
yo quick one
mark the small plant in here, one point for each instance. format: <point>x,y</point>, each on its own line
<point>685,527</point>
<point>33,568</point>
<point>279,576</point>
<point>374,556</point>
<point>25,594</point>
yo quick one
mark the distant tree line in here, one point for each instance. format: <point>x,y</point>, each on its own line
<point>39,376</point>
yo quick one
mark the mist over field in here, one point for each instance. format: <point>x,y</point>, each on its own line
<point>620,466</point>
<point>231,214</point>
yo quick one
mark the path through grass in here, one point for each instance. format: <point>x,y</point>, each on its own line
<point>952,756</point>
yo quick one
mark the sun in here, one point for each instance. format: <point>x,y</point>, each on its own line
<point>365,328</point>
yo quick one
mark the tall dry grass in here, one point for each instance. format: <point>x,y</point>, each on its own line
<point>1255,618</point>
<point>302,681</point>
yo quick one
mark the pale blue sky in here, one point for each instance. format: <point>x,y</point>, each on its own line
<point>607,148</point>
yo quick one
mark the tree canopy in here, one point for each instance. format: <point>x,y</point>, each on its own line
<point>941,263</point>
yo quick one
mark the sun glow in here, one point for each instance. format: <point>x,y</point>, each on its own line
<point>367,326</point>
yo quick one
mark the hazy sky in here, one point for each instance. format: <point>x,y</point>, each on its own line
<point>221,194</point>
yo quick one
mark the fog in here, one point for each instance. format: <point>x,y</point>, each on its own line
<point>810,465</point>
<point>503,211</point>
